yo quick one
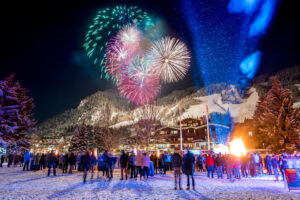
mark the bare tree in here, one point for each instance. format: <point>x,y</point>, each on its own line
<point>105,137</point>
<point>148,122</point>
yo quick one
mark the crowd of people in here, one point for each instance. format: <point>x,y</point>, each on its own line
<point>142,165</point>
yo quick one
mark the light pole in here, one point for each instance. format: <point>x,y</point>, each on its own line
<point>207,127</point>
<point>180,128</point>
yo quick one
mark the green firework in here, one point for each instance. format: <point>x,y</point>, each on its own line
<point>105,25</point>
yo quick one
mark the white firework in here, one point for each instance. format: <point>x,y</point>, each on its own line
<point>169,58</point>
<point>129,35</point>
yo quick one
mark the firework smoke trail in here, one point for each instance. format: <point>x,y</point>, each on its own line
<point>170,59</point>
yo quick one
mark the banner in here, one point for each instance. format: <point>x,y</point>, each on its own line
<point>292,179</point>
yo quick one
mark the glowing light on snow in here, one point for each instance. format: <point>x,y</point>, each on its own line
<point>237,147</point>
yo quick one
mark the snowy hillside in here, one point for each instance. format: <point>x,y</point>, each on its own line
<point>222,97</point>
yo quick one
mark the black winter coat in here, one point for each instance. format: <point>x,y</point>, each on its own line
<point>176,160</point>
<point>124,159</point>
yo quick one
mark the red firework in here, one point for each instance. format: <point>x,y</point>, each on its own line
<point>139,91</point>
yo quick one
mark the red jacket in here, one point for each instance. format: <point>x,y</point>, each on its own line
<point>210,161</point>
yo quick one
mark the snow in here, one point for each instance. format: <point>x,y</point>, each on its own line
<point>16,184</point>
<point>123,123</point>
<point>82,103</point>
<point>240,112</point>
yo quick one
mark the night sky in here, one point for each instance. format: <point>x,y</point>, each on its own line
<point>42,43</point>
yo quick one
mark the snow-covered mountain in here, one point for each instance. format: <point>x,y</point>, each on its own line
<point>193,103</point>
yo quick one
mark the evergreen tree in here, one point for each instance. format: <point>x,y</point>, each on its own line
<point>15,114</point>
<point>83,139</point>
<point>79,141</point>
<point>74,141</point>
<point>278,123</point>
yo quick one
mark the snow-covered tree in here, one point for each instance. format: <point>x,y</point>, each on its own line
<point>79,141</point>
<point>15,114</point>
<point>277,121</point>
<point>74,141</point>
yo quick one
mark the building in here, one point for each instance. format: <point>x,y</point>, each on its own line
<point>194,135</point>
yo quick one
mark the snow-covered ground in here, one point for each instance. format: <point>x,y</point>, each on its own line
<point>16,184</point>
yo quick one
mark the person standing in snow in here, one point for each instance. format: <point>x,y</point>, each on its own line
<point>189,161</point>
<point>177,167</point>
<point>26,160</point>
<point>42,162</point>
<point>274,162</point>
<point>145,165</point>
<point>132,165</point>
<point>219,165</point>
<point>154,159</point>
<point>93,162</point>
<point>2,160</point>
<point>36,162</point>
<point>138,163</point>
<point>210,162</point>
<point>51,163</point>
<point>123,162</point>
<point>86,162</point>
<point>72,161</point>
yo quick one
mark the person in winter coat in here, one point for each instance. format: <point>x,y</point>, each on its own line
<point>200,163</point>
<point>42,162</point>
<point>177,167</point>
<point>72,162</point>
<point>145,165</point>
<point>124,159</point>
<point>274,162</point>
<point>36,162</point>
<point>66,161</point>
<point>269,164</point>
<point>219,165</point>
<point>132,165</point>
<point>210,165</point>
<point>10,159</point>
<point>100,165</point>
<point>189,161</point>
<point>2,160</point>
<point>154,159</point>
<point>52,163</point>
<point>93,162</point>
<point>111,161</point>
<point>26,160</point>
<point>86,163</point>
<point>138,164</point>
<point>168,162</point>
<point>105,163</point>
<point>244,166</point>
<point>229,166</point>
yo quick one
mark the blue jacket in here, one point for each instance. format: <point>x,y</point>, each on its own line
<point>26,157</point>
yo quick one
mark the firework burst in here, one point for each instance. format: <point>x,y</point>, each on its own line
<point>170,59</point>
<point>107,23</point>
<point>138,83</point>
